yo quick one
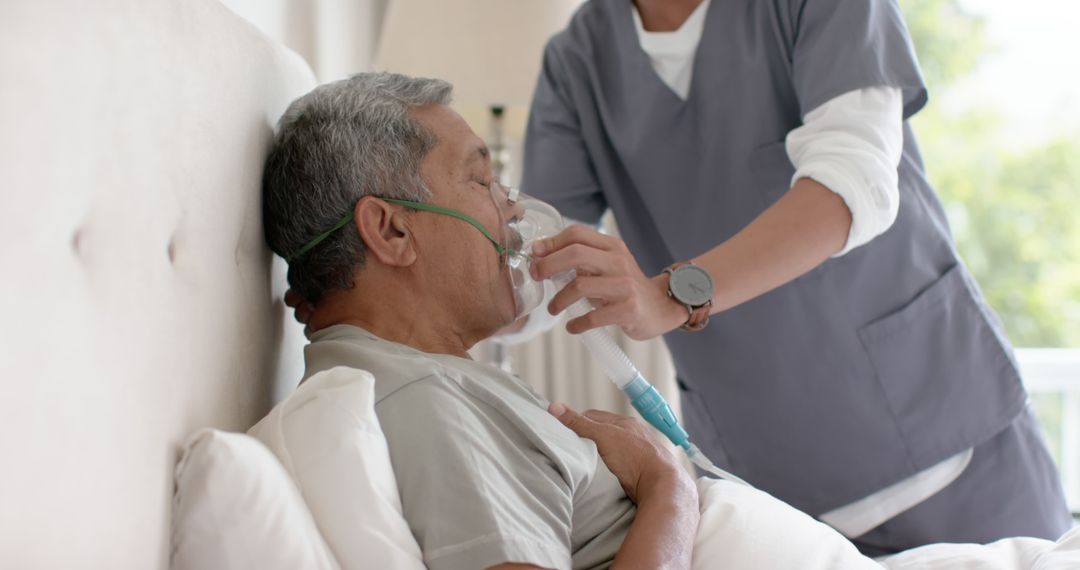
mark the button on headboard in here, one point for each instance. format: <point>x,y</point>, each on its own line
<point>139,300</point>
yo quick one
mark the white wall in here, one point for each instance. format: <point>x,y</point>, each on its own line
<point>336,37</point>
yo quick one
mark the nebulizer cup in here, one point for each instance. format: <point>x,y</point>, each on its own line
<point>536,221</point>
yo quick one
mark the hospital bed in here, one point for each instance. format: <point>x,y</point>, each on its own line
<point>142,308</point>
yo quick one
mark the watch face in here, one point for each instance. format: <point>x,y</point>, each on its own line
<point>691,285</point>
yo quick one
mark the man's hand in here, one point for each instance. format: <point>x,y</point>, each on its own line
<point>642,465</point>
<point>302,310</point>
<point>662,534</point>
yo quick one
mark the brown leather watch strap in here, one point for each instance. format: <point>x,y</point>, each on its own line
<point>699,317</point>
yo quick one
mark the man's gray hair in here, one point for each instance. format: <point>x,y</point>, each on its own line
<point>340,142</point>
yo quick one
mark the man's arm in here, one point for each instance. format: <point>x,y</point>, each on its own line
<point>663,532</point>
<point>664,528</point>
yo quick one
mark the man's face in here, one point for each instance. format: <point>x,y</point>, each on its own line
<point>461,265</point>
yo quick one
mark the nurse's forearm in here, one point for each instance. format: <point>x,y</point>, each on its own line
<point>796,234</point>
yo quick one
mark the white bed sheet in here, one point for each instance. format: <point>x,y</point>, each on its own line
<point>1027,553</point>
<point>743,528</point>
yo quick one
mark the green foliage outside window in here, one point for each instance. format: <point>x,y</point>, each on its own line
<point>1014,213</point>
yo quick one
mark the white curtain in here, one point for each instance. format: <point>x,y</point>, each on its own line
<point>338,38</point>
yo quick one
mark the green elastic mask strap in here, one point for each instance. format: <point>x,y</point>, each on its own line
<point>453,214</point>
<point>416,206</point>
<point>319,238</point>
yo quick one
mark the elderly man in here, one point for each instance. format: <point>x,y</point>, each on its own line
<point>489,476</point>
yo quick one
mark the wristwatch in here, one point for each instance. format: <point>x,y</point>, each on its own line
<point>691,286</point>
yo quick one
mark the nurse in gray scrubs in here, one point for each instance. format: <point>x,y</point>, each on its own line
<point>758,160</point>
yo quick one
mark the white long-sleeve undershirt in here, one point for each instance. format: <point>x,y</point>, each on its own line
<point>852,145</point>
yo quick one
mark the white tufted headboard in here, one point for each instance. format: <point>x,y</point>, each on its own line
<point>136,287</point>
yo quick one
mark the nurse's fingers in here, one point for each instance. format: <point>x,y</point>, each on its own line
<point>636,306</point>
<point>609,315</point>
<point>577,233</point>
<point>601,290</point>
<point>627,315</point>
<point>584,258</point>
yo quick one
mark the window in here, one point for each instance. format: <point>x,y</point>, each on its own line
<point>1001,141</point>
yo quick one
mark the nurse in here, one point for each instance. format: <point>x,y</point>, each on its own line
<point>830,345</point>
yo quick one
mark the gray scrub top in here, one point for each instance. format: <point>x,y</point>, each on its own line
<point>869,368</point>
<point>486,475</point>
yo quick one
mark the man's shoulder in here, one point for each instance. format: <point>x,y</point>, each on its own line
<point>447,389</point>
<point>455,398</point>
<point>392,365</point>
<point>437,414</point>
<point>426,391</point>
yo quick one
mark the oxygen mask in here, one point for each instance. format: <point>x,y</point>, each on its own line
<point>525,220</point>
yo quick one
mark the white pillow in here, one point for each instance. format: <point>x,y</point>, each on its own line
<point>328,438</point>
<point>234,507</point>
<point>742,527</point>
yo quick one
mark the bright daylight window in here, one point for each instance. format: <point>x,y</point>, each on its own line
<point>1001,142</point>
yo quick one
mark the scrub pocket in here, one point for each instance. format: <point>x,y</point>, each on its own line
<point>945,371</point>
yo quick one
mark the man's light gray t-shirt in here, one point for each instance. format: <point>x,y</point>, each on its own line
<point>486,474</point>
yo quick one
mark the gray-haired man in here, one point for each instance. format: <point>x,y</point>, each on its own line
<point>488,477</point>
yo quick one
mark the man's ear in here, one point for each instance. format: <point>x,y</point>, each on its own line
<point>385,231</point>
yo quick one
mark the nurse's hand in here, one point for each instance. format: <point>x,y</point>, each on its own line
<point>611,279</point>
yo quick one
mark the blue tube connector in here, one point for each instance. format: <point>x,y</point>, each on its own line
<point>655,409</point>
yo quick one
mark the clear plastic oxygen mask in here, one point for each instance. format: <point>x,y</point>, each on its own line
<point>531,220</point>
